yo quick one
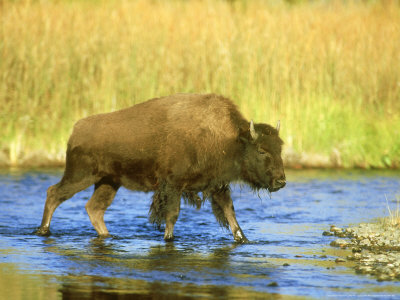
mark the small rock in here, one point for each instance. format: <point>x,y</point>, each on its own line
<point>363,269</point>
<point>365,243</point>
<point>335,229</point>
<point>327,233</point>
<point>323,256</point>
<point>338,260</point>
<point>340,234</point>
<point>349,230</point>
<point>381,258</point>
<point>383,277</point>
<point>286,265</point>
<point>356,249</point>
<point>355,256</point>
<point>273,283</point>
<point>339,243</point>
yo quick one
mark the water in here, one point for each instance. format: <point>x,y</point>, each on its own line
<point>203,261</point>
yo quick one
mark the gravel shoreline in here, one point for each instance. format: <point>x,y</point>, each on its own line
<point>375,248</point>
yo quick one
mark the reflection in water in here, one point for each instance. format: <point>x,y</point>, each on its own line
<point>133,289</point>
<point>16,284</point>
<point>288,254</point>
<point>168,268</point>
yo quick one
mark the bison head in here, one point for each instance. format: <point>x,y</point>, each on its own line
<point>262,165</point>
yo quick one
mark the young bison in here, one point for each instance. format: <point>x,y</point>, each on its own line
<point>176,146</point>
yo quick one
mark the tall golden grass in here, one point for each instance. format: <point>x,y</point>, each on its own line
<point>330,71</point>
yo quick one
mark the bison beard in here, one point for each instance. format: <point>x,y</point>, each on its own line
<point>176,146</point>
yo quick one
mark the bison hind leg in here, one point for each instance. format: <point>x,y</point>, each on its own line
<point>219,215</point>
<point>158,210</point>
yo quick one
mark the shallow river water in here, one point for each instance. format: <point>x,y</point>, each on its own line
<point>288,256</point>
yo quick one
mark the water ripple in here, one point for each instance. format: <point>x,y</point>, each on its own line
<point>285,231</point>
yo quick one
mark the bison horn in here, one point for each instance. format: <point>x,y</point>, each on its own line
<point>278,125</point>
<point>253,132</point>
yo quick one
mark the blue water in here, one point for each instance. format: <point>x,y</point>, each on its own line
<point>203,261</point>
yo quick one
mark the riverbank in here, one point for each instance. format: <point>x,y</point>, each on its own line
<point>375,248</point>
<point>291,159</point>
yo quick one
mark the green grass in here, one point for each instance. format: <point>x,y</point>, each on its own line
<point>329,71</point>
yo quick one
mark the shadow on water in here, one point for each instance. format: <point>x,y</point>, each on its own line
<point>288,256</point>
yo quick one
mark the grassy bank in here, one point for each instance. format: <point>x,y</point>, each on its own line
<point>329,72</point>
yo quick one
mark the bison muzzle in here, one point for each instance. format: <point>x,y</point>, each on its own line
<point>177,146</point>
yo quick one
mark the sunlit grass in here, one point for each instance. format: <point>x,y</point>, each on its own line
<point>394,214</point>
<point>329,71</point>
<point>392,218</point>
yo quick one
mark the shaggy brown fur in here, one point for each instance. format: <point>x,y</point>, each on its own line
<point>176,146</point>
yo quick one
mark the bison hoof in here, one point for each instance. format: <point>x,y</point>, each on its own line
<point>242,241</point>
<point>240,237</point>
<point>169,238</point>
<point>42,231</point>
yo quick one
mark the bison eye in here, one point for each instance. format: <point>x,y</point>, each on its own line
<point>261,151</point>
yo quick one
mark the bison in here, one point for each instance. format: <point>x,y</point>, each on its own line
<point>176,146</point>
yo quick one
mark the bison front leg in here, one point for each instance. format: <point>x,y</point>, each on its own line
<point>224,211</point>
